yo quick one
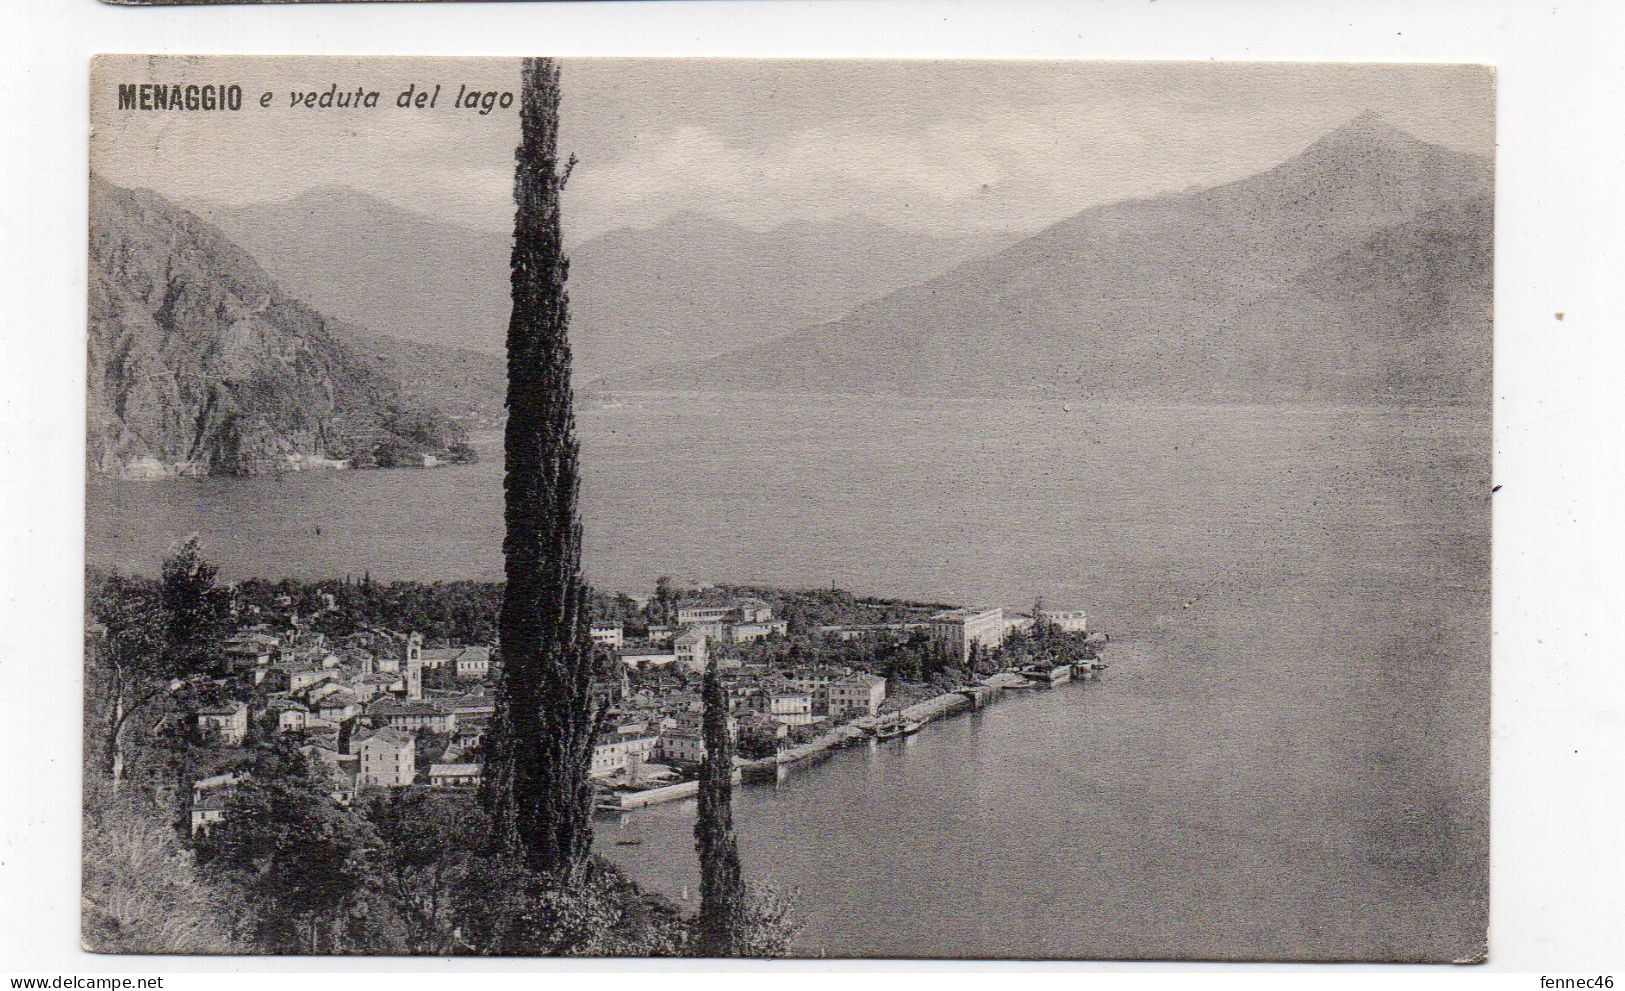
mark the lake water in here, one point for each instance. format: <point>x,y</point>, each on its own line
<point>1288,757</point>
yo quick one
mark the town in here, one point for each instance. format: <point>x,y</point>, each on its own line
<point>386,709</point>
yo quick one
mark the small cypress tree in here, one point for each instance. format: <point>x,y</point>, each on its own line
<point>536,786</point>
<point>197,613</point>
<point>722,888</point>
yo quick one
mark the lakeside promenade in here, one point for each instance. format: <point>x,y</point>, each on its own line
<point>771,769</point>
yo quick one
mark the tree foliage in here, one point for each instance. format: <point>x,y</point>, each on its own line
<point>508,909</point>
<point>540,748</point>
<point>426,856</point>
<point>197,612</point>
<point>722,887</point>
<point>297,860</point>
<point>146,640</point>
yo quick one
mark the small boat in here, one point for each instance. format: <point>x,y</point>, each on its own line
<point>890,727</point>
<point>894,725</point>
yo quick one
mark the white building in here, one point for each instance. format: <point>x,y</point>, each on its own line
<point>859,695</point>
<point>955,630</point>
<point>754,630</point>
<point>622,751</point>
<point>683,738</point>
<point>1069,620</point>
<point>455,775</point>
<point>647,657</point>
<point>704,613</point>
<point>732,611</point>
<point>474,664</point>
<point>1015,622</point>
<point>225,723</point>
<point>209,796</point>
<point>691,651</point>
<point>792,708</point>
<point>470,663</point>
<point>388,759</point>
<point>611,635</point>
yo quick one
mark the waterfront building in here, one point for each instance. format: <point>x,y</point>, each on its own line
<point>762,730</point>
<point>956,630</point>
<point>869,631</point>
<point>792,708</point>
<point>682,746</point>
<point>1069,620</point>
<point>858,695</point>
<point>622,751</point>
<point>815,682</point>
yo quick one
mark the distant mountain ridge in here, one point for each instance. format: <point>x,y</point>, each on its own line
<point>200,363</point>
<point>689,285</point>
<point>1357,271</point>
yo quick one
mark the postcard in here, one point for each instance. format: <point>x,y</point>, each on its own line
<point>799,508</point>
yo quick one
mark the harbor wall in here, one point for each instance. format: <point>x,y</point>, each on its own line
<point>769,769</point>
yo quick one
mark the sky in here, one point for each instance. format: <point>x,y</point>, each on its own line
<point>926,147</point>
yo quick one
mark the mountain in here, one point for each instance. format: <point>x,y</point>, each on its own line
<point>694,286</point>
<point>691,285</point>
<point>199,363</point>
<point>1355,271</point>
<point>372,263</point>
<point>469,386</point>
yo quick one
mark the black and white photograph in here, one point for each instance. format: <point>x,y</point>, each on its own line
<point>788,508</point>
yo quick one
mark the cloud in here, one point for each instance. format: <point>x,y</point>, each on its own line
<point>931,147</point>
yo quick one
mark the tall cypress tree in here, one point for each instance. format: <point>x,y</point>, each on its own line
<point>536,784</point>
<point>722,886</point>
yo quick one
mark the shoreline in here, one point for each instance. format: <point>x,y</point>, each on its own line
<point>770,770</point>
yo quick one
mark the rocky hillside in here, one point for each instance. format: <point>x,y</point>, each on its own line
<point>469,386</point>
<point>199,363</point>
<point>1357,271</point>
